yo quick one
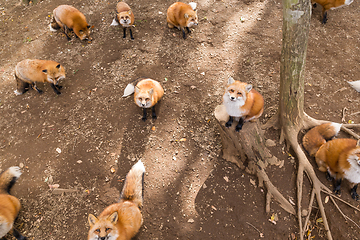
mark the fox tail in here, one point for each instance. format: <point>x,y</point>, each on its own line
<point>133,186</point>
<point>318,135</point>
<point>8,179</point>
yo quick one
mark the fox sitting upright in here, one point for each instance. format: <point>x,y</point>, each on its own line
<point>148,92</point>
<point>121,221</point>
<point>124,17</point>
<point>30,71</point>
<point>340,158</point>
<point>243,102</point>
<point>69,18</point>
<point>9,205</point>
<point>183,16</point>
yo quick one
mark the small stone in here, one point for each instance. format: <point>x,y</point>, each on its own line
<point>270,143</point>
<point>191,220</point>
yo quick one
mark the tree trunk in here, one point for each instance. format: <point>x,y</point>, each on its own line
<point>296,22</point>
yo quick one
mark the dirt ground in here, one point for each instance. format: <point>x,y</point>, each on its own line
<point>74,139</point>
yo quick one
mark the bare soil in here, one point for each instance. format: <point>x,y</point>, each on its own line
<point>190,191</point>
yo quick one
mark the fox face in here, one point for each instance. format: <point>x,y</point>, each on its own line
<point>103,228</point>
<point>125,18</point>
<point>54,74</point>
<point>191,19</point>
<point>84,33</point>
<point>144,97</point>
<point>236,92</point>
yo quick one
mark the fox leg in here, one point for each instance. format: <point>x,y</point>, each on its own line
<point>188,29</point>
<point>324,14</point>
<point>66,30</point>
<point>144,115</point>
<point>18,236</point>
<point>353,193</point>
<point>183,32</point>
<point>131,36</point>
<point>240,124</point>
<point>229,123</point>
<point>21,86</point>
<point>153,113</point>
<point>337,185</point>
<point>124,30</point>
<point>328,176</point>
<point>33,85</point>
<point>56,88</point>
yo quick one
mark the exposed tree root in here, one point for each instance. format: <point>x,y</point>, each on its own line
<point>290,134</point>
<point>248,151</point>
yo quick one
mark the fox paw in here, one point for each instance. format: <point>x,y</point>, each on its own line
<point>144,119</point>
<point>59,87</point>
<point>238,128</point>
<point>355,196</point>
<point>228,124</point>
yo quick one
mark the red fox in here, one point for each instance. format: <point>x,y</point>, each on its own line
<point>243,102</point>
<point>124,17</point>
<point>147,93</point>
<point>30,71</point>
<point>330,4</point>
<point>9,205</point>
<point>183,16</point>
<point>68,18</point>
<point>121,221</point>
<point>340,158</point>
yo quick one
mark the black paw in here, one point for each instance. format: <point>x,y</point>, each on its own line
<point>329,177</point>
<point>228,124</point>
<point>144,119</point>
<point>337,191</point>
<point>59,87</point>
<point>40,91</point>
<point>132,38</point>
<point>58,93</point>
<point>355,196</point>
<point>238,128</point>
<point>154,116</point>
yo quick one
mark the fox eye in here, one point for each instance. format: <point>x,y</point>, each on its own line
<point>97,230</point>
<point>140,99</point>
<point>231,90</point>
<point>239,93</point>
<point>107,229</point>
<point>147,99</point>
<point>358,161</point>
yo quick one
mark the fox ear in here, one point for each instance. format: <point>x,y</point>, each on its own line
<point>151,91</point>
<point>114,217</point>
<point>230,80</point>
<point>44,71</point>
<point>137,89</point>
<point>186,15</point>
<point>248,87</point>
<point>129,12</point>
<point>58,66</point>
<point>92,220</point>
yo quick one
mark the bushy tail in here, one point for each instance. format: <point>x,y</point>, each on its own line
<point>8,179</point>
<point>318,135</point>
<point>133,186</point>
<point>355,85</point>
<point>130,88</point>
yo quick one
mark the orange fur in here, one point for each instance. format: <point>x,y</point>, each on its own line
<point>67,17</point>
<point>30,71</point>
<point>181,15</point>
<point>124,11</point>
<point>318,135</point>
<point>9,205</point>
<point>330,4</point>
<point>328,156</point>
<point>147,93</point>
<point>121,221</point>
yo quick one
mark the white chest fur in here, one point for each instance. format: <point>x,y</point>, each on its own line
<point>233,107</point>
<point>353,174</point>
